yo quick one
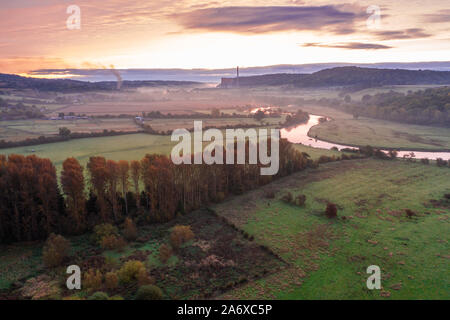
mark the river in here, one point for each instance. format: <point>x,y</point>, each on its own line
<point>299,134</point>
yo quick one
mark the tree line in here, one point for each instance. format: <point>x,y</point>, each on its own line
<point>425,107</point>
<point>33,204</point>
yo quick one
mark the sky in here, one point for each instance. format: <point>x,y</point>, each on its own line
<point>44,34</point>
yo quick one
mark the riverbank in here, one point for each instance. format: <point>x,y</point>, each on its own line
<point>303,134</point>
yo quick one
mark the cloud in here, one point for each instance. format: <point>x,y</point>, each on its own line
<point>413,33</point>
<point>24,64</point>
<point>337,19</point>
<point>441,17</point>
<point>349,46</point>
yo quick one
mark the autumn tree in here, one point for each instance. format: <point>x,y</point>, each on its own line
<point>72,182</point>
<point>98,178</point>
<point>112,181</point>
<point>135,176</point>
<point>124,173</point>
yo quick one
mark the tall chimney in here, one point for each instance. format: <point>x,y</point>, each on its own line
<point>237,76</point>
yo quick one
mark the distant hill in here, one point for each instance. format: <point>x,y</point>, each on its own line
<point>215,75</point>
<point>66,85</point>
<point>345,77</point>
<point>265,80</point>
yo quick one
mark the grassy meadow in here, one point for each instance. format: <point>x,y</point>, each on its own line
<point>344,129</point>
<point>262,247</point>
<point>122,147</point>
<point>22,129</point>
<point>327,259</point>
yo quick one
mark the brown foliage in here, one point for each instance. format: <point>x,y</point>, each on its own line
<point>131,271</point>
<point>165,252</point>
<point>104,230</point>
<point>124,173</point>
<point>288,198</point>
<point>180,235</point>
<point>300,200</point>
<point>129,230</point>
<point>111,280</point>
<point>98,179</point>
<point>93,280</point>
<point>331,210</point>
<point>72,182</point>
<point>31,206</point>
<point>144,278</point>
<point>410,213</point>
<point>55,250</point>
<point>113,242</point>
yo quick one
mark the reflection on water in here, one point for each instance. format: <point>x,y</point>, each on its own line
<point>299,134</point>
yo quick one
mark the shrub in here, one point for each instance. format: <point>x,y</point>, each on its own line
<point>269,194</point>
<point>129,230</point>
<point>300,200</point>
<point>331,210</point>
<point>288,198</point>
<point>410,213</point>
<point>440,162</point>
<point>180,235</point>
<point>116,297</point>
<point>99,296</point>
<point>112,242</point>
<point>149,292</point>
<point>111,280</point>
<point>392,154</point>
<point>325,159</point>
<point>220,196</point>
<point>130,271</point>
<point>165,252</point>
<point>111,263</point>
<point>144,278</point>
<point>93,279</point>
<point>447,195</point>
<point>104,230</point>
<point>55,250</point>
<point>425,161</point>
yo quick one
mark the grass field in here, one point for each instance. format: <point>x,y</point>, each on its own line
<point>344,129</point>
<point>23,129</point>
<point>320,258</point>
<point>123,147</point>
<point>328,259</point>
<point>379,133</point>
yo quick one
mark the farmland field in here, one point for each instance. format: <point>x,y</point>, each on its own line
<point>377,133</point>
<point>27,129</point>
<point>123,147</point>
<point>328,259</point>
<point>22,129</point>
<point>284,251</point>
